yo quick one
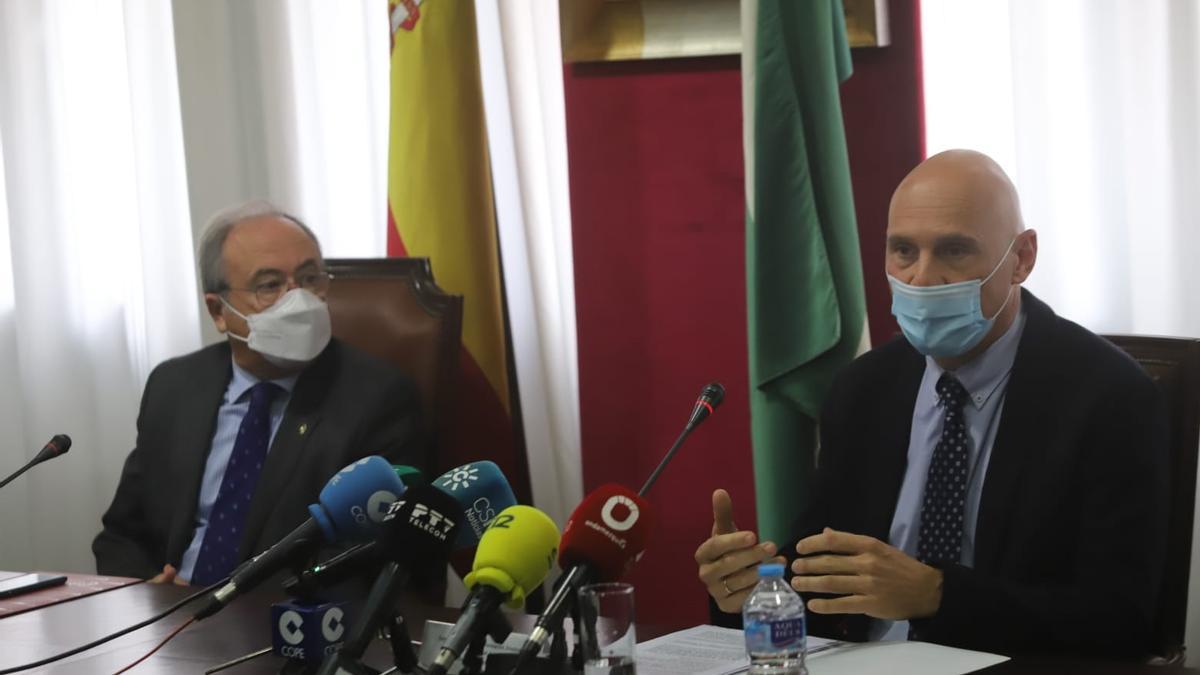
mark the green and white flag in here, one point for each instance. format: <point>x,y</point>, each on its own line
<point>804,283</point>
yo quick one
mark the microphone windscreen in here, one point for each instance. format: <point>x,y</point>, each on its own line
<point>409,475</point>
<point>714,393</point>
<point>353,503</point>
<point>482,492</point>
<point>608,531</point>
<point>61,444</point>
<point>515,553</point>
<point>419,528</point>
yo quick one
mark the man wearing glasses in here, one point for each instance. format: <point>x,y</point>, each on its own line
<point>235,440</point>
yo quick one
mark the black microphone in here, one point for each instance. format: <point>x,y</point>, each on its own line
<point>711,397</point>
<point>59,445</point>
<point>418,530</point>
<point>353,562</point>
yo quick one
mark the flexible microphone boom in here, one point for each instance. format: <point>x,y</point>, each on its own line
<point>59,445</point>
<point>710,397</point>
<point>514,556</point>
<point>590,549</point>
<point>606,534</point>
<point>350,507</point>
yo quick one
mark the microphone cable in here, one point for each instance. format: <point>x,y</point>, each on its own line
<point>113,636</point>
<point>158,646</point>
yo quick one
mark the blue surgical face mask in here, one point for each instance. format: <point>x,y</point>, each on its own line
<point>947,320</point>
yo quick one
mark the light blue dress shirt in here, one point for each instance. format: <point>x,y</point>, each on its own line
<point>986,380</point>
<point>229,419</point>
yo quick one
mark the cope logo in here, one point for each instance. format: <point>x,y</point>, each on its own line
<point>291,627</point>
<point>462,477</point>
<point>333,624</point>
<point>431,520</point>
<point>619,512</point>
<point>378,506</point>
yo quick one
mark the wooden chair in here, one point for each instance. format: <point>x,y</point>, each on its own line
<point>391,308</point>
<point>1174,363</point>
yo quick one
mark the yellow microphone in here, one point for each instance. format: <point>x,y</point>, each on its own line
<point>513,558</point>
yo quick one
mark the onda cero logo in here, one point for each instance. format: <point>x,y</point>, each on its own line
<point>619,512</point>
<point>461,477</point>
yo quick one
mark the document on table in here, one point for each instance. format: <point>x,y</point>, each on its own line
<point>709,650</point>
<point>705,650</point>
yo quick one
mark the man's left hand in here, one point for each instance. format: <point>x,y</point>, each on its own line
<point>874,578</point>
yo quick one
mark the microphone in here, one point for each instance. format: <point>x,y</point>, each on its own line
<point>605,535</point>
<point>419,528</point>
<point>482,491</point>
<point>350,506</point>
<point>59,445</point>
<point>710,397</point>
<point>514,557</point>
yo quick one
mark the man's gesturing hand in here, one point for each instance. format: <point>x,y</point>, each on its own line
<point>728,560</point>
<point>874,578</point>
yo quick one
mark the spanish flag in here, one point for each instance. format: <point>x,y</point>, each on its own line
<point>440,207</point>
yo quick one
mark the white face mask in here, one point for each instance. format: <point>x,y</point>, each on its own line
<point>291,332</point>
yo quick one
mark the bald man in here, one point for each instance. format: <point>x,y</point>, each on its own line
<point>996,479</point>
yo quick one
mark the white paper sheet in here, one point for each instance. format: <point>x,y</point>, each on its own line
<point>704,650</point>
<point>709,650</point>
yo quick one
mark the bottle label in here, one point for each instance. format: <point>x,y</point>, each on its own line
<point>778,635</point>
<point>787,632</point>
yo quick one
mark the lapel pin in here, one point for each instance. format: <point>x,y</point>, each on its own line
<point>303,429</point>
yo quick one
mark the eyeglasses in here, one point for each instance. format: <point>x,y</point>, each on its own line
<point>271,288</point>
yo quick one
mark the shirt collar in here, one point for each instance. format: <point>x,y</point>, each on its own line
<point>985,373</point>
<point>242,381</point>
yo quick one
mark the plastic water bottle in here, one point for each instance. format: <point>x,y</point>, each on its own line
<point>774,622</point>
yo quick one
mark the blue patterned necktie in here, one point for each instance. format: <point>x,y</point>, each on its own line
<point>941,534</point>
<point>219,550</point>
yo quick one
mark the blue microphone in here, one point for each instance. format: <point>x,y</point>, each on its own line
<point>350,507</point>
<point>482,492</point>
<point>307,632</point>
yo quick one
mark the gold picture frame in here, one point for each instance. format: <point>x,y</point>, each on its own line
<point>620,30</point>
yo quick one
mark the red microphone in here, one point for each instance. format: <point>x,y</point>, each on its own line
<point>605,535</point>
<point>608,531</point>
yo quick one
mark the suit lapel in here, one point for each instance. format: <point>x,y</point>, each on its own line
<point>301,418</point>
<point>1027,402</point>
<point>197,418</point>
<point>895,429</point>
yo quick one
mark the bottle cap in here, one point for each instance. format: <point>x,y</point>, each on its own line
<point>770,570</point>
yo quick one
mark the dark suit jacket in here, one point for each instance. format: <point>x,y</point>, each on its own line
<point>346,405</point>
<point>1071,532</point>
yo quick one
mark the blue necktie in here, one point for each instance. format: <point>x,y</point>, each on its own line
<point>219,551</point>
<point>941,534</point>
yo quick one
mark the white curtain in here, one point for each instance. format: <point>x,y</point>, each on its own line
<point>123,126</point>
<point>96,272</point>
<point>1093,107</point>
<point>521,63</point>
<point>288,100</point>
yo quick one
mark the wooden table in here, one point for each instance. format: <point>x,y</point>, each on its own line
<point>244,627</point>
